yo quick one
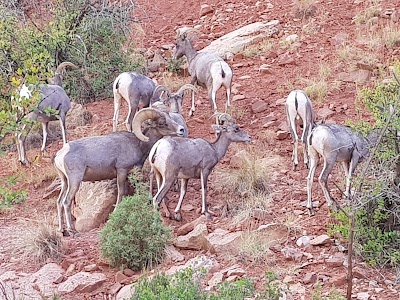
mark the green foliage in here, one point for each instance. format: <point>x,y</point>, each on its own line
<point>134,236</point>
<point>377,206</point>
<point>186,285</point>
<point>333,294</point>
<point>94,36</point>
<point>175,65</point>
<point>8,196</point>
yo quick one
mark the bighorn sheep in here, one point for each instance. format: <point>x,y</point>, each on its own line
<point>136,89</point>
<point>53,97</point>
<point>174,100</point>
<point>107,157</point>
<point>58,77</point>
<point>335,143</point>
<point>298,106</point>
<point>207,69</point>
<point>186,158</point>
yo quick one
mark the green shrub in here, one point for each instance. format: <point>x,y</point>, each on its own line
<point>134,236</point>
<point>175,65</point>
<point>186,285</point>
<point>9,197</point>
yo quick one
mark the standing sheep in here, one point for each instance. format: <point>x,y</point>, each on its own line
<point>107,157</point>
<point>206,69</point>
<point>335,143</point>
<point>298,106</point>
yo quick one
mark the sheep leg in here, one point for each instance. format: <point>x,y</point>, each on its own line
<point>162,192</point>
<point>131,112</point>
<point>203,178</point>
<point>292,129</point>
<point>122,175</point>
<point>192,109</point>
<point>60,200</point>
<point>45,128</point>
<point>184,184</point>
<point>353,164</point>
<point>329,162</point>
<point>228,97</point>
<point>151,178</point>
<point>346,169</point>
<point>117,104</point>
<point>212,96</point>
<point>73,187</point>
<point>21,136</point>
<point>313,165</point>
<point>306,128</point>
<point>63,128</point>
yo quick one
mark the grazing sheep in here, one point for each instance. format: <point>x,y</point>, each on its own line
<point>186,158</point>
<point>207,69</point>
<point>58,74</point>
<point>335,143</point>
<point>107,157</point>
<point>137,90</point>
<point>54,98</point>
<point>298,106</point>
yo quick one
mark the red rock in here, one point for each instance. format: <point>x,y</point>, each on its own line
<point>205,9</point>
<point>120,276</point>
<point>259,106</point>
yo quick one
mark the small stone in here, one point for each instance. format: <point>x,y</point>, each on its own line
<point>128,272</point>
<point>288,279</point>
<point>363,296</point>
<point>310,277</point>
<point>334,262</point>
<point>238,98</point>
<point>303,241</point>
<point>90,268</point>
<point>320,240</point>
<point>113,290</point>
<point>282,135</point>
<point>120,276</point>
<point>259,106</point>
<point>205,9</point>
<point>338,281</point>
<point>291,38</point>
<point>215,279</point>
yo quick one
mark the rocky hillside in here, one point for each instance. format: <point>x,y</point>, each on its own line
<point>328,48</point>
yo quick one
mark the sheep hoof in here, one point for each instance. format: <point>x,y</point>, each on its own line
<point>311,212</point>
<point>70,232</point>
<point>294,167</point>
<point>178,217</point>
<point>208,215</point>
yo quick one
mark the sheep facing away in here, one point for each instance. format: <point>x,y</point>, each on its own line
<point>137,90</point>
<point>335,143</point>
<point>187,158</point>
<point>107,157</point>
<point>54,98</point>
<point>298,106</point>
<point>206,69</point>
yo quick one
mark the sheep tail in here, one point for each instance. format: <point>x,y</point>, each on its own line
<point>117,85</point>
<point>223,74</point>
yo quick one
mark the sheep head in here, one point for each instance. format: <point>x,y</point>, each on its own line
<point>58,74</point>
<point>184,42</point>
<point>159,120</point>
<point>228,126</point>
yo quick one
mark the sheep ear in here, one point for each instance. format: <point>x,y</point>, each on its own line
<point>217,128</point>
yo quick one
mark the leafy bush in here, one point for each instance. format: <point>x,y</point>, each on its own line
<point>9,197</point>
<point>186,285</point>
<point>377,206</point>
<point>134,236</point>
<point>175,65</point>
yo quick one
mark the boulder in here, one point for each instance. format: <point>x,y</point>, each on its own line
<point>44,280</point>
<point>82,282</point>
<point>94,202</point>
<point>236,41</point>
<point>195,240</point>
<point>125,293</point>
<point>223,241</point>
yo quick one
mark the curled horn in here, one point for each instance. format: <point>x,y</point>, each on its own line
<point>185,87</point>
<point>187,32</point>
<point>141,116</point>
<point>223,118</point>
<point>161,88</point>
<point>63,65</point>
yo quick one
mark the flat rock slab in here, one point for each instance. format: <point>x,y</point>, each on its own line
<point>82,282</point>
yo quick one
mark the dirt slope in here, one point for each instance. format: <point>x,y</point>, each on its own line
<point>159,20</point>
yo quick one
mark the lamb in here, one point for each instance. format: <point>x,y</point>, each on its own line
<point>335,143</point>
<point>137,90</point>
<point>299,106</point>
<point>54,98</point>
<point>107,157</point>
<point>185,158</point>
<point>207,69</point>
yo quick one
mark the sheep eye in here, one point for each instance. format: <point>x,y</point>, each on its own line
<point>237,129</point>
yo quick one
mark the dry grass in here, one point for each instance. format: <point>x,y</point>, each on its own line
<point>243,210</point>
<point>238,113</point>
<point>364,16</point>
<point>252,249</point>
<point>38,173</point>
<point>40,242</point>
<point>304,9</point>
<point>172,82</point>
<point>250,174</point>
<point>293,223</point>
<point>391,36</point>
<point>258,49</point>
<point>317,88</point>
